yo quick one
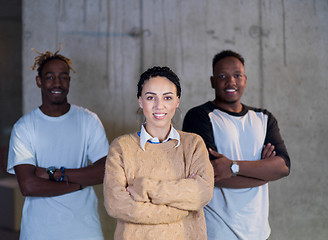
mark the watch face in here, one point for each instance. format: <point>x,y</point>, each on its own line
<point>51,169</point>
<point>235,168</point>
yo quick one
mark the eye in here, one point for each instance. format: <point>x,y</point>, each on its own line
<point>168,98</point>
<point>64,78</point>
<point>50,77</point>
<point>238,76</point>
<point>222,76</point>
<point>150,98</point>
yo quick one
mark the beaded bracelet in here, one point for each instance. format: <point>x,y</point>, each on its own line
<point>63,175</point>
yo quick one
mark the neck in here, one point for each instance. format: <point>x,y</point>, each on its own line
<point>55,110</point>
<point>160,133</point>
<point>235,107</point>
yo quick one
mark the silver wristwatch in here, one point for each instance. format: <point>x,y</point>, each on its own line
<point>234,168</point>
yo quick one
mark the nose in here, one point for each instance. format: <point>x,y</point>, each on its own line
<point>159,104</point>
<point>231,78</point>
<point>57,81</point>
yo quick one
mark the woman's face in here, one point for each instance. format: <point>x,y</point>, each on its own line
<point>159,101</point>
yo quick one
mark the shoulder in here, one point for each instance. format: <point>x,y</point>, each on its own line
<point>189,137</point>
<point>126,139</point>
<point>124,144</point>
<point>271,118</point>
<point>205,108</point>
<point>198,116</point>
<point>257,110</point>
<point>83,111</point>
<point>192,143</point>
<point>26,120</point>
<point>197,119</point>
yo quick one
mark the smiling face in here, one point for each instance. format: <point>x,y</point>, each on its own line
<point>54,84</point>
<point>229,81</point>
<point>159,101</point>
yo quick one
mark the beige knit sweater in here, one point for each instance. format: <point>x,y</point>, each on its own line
<point>168,204</point>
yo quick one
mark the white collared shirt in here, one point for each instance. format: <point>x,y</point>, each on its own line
<point>145,136</point>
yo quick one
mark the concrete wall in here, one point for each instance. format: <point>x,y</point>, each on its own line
<point>10,72</point>
<point>285,45</point>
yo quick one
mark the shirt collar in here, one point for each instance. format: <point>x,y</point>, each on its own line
<point>145,136</point>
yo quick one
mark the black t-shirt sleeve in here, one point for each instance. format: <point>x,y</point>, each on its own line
<point>197,121</point>
<point>273,136</point>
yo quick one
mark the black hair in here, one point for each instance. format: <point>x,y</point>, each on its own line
<point>157,71</point>
<point>224,54</point>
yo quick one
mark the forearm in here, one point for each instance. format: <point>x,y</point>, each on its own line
<point>86,176</point>
<point>239,182</point>
<point>189,194</point>
<point>46,188</point>
<point>120,204</point>
<point>31,185</point>
<point>269,169</point>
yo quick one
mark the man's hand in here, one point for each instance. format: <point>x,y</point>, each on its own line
<point>268,151</point>
<point>221,166</point>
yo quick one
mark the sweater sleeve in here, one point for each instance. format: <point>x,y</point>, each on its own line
<point>119,203</point>
<point>190,194</point>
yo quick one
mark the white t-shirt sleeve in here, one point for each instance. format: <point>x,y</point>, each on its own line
<point>20,147</point>
<point>97,142</point>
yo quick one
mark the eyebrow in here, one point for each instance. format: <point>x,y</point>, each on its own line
<point>54,73</point>
<point>235,71</point>
<point>152,93</point>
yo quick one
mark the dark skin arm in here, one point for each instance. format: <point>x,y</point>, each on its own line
<point>34,181</point>
<point>251,173</point>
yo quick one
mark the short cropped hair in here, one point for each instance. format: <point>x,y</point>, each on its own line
<point>157,71</point>
<point>224,54</point>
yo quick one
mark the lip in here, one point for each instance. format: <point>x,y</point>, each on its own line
<point>159,116</point>
<point>56,91</point>
<point>230,90</point>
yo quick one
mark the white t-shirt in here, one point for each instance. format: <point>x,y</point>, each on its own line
<point>245,210</point>
<point>237,214</point>
<point>70,140</point>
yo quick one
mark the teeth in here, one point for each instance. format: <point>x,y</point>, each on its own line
<point>56,92</point>
<point>230,90</point>
<point>159,114</point>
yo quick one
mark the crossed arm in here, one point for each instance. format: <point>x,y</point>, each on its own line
<point>120,204</point>
<point>34,181</point>
<point>251,173</point>
<point>150,201</point>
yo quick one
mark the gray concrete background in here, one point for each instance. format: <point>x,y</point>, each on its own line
<point>10,68</point>
<point>285,44</point>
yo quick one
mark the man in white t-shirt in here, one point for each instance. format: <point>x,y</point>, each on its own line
<point>58,152</point>
<point>235,135</point>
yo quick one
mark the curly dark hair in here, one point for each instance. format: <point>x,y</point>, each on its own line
<point>224,54</point>
<point>157,71</point>
<point>43,58</point>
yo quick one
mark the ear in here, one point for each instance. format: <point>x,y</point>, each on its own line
<point>212,82</point>
<point>38,81</point>
<point>178,103</point>
<point>140,102</point>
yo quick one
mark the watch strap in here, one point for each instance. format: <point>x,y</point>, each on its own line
<point>51,171</point>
